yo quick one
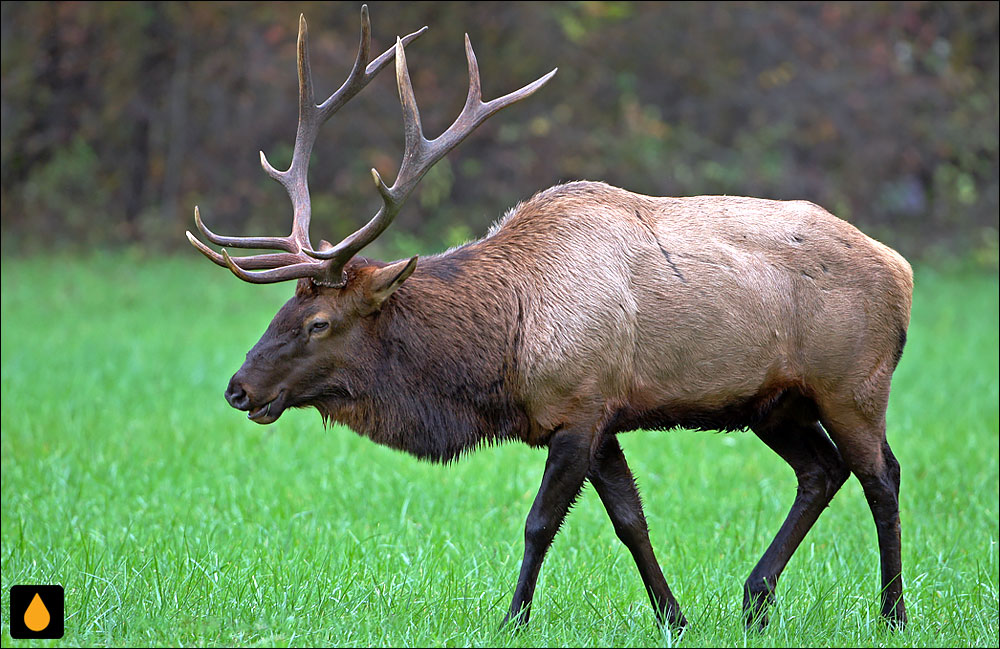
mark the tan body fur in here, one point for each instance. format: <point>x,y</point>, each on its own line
<point>686,304</point>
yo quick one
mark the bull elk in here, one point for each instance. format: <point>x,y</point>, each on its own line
<point>588,311</point>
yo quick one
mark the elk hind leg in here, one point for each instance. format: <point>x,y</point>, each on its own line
<point>859,433</point>
<point>793,432</point>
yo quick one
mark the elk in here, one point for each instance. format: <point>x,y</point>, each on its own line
<point>588,311</point>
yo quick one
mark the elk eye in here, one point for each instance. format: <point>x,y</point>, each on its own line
<point>318,326</point>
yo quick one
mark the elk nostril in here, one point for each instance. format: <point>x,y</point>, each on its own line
<point>236,395</point>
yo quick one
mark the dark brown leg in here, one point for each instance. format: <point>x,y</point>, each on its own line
<point>869,457</point>
<point>882,493</point>
<point>565,470</point>
<point>610,475</point>
<point>878,473</point>
<point>820,472</point>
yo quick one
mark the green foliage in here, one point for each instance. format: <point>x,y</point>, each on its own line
<point>67,185</point>
<point>172,520</point>
<point>119,117</point>
<point>435,188</point>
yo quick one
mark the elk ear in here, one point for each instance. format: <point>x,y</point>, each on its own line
<point>384,281</point>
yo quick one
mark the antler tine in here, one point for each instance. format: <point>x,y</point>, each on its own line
<point>299,270</point>
<point>247,263</point>
<point>361,75</point>
<point>296,178</point>
<point>475,111</point>
<point>268,243</point>
<point>253,262</point>
<point>420,154</point>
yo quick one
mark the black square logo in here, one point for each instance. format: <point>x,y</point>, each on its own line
<point>37,612</point>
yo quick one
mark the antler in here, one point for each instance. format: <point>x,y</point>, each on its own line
<point>325,266</point>
<point>420,154</point>
<point>293,263</point>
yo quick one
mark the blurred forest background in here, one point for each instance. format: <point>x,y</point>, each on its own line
<point>117,118</point>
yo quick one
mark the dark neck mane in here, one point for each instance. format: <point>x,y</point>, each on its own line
<point>442,377</point>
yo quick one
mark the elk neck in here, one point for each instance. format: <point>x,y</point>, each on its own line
<point>443,360</point>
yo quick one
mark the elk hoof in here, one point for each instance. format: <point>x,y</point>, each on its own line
<point>755,605</point>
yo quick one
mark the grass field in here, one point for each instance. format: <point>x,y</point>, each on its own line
<point>172,520</point>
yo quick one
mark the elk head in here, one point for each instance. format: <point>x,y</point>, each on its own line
<point>315,345</point>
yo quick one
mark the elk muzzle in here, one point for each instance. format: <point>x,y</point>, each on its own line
<point>259,410</point>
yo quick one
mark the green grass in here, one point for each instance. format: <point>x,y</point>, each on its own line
<point>172,520</point>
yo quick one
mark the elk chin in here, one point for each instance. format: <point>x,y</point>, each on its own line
<point>269,412</point>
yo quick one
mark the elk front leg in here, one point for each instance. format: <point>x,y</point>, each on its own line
<point>565,470</point>
<point>610,475</point>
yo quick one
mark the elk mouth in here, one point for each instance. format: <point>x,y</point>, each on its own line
<point>269,412</point>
